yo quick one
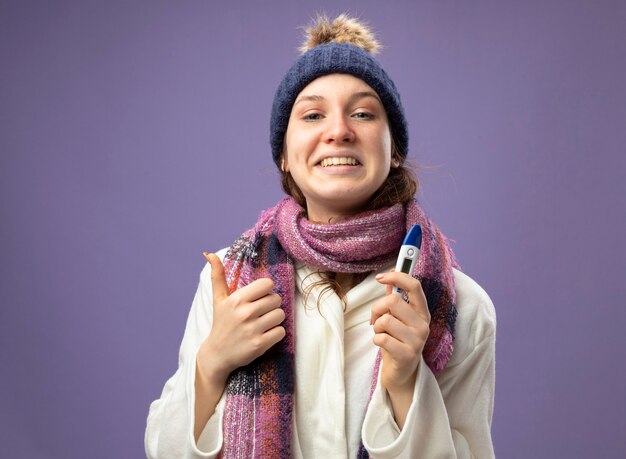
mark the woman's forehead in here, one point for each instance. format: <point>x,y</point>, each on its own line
<point>336,84</point>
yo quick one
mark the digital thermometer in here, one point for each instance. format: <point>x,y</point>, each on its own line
<point>409,252</point>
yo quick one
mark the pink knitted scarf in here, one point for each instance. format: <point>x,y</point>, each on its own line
<point>259,396</point>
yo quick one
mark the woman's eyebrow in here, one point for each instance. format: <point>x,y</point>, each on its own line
<point>311,98</point>
<point>363,94</point>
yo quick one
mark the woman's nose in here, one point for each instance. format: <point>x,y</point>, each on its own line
<point>339,130</point>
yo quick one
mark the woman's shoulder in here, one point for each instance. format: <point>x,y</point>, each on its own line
<point>476,316</point>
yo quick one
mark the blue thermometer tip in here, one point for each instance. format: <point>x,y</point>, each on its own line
<point>414,237</point>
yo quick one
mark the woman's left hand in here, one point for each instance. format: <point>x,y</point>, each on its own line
<point>401,331</point>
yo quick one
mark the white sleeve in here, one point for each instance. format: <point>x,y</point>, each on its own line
<point>170,424</point>
<point>450,416</point>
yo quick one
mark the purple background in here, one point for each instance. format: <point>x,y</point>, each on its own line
<point>134,135</point>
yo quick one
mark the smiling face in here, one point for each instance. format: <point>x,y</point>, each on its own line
<point>337,146</point>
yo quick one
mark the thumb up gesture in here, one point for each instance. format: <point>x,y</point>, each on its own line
<point>246,323</point>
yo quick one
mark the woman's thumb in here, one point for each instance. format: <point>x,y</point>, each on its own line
<point>218,277</point>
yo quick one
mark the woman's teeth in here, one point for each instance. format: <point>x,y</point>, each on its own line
<point>339,162</point>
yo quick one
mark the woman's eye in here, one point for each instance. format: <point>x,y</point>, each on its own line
<point>363,115</point>
<point>312,117</point>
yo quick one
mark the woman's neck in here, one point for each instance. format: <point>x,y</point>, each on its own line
<point>346,281</point>
<point>317,214</point>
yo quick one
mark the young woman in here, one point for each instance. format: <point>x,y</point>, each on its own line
<point>295,345</point>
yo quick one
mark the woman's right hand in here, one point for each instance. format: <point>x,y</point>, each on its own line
<point>246,324</point>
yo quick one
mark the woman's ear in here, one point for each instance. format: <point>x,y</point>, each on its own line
<point>396,159</point>
<point>284,167</point>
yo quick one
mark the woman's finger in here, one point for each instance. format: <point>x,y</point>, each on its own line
<point>379,308</point>
<point>410,335</point>
<point>401,280</point>
<point>273,336</point>
<point>404,312</point>
<point>387,323</point>
<point>270,320</point>
<point>261,306</point>
<point>396,306</point>
<point>410,285</point>
<point>249,293</point>
<point>253,291</point>
<point>395,348</point>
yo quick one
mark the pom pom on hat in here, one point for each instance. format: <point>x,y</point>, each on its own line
<point>344,29</point>
<point>342,46</point>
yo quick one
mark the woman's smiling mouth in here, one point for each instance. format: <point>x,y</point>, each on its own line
<point>339,161</point>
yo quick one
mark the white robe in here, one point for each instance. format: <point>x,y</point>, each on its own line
<point>450,416</point>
